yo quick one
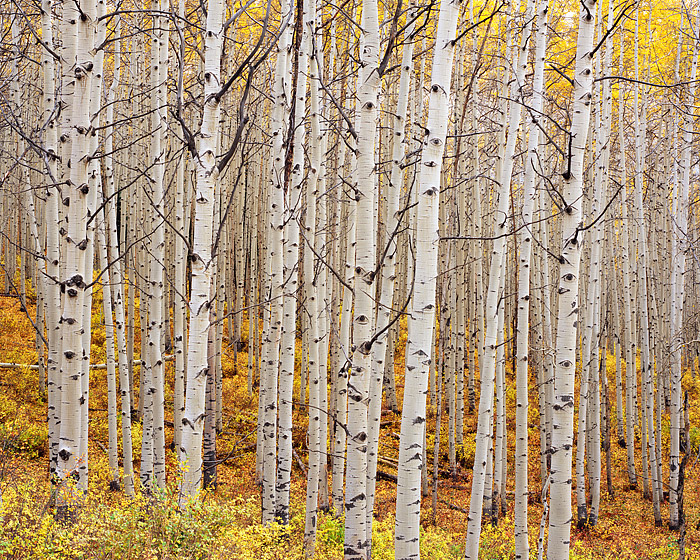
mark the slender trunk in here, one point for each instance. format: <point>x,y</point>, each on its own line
<point>381,359</point>
<point>679,246</point>
<point>572,241</point>
<point>275,266</point>
<point>525,248</point>
<point>202,261</point>
<point>419,350</point>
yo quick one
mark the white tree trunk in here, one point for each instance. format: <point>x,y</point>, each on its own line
<point>679,246</point>
<point>313,291</point>
<point>419,350</point>
<point>522,549</point>
<point>115,263</point>
<point>630,314</point>
<point>75,194</point>
<point>275,263</point>
<point>381,359</point>
<point>572,239</point>
<point>290,279</point>
<point>52,296</point>
<point>111,369</point>
<point>202,262</point>
<point>357,534</point>
<point>498,257</point>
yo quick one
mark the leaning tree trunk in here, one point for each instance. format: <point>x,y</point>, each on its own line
<point>498,257</point>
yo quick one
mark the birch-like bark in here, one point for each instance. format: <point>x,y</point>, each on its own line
<point>587,418</point>
<point>381,359</point>
<point>642,263</point>
<point>498,256</point>
<point>679,246</point>
<point>181,235</point>
<point>52,297</point>
<point>419,349</point>
<point>154,352</point>
<point>201,259</point>
<point>357,533</point>
<point>342,374</point>
<point>522,549</point>
<point>313,291</point>
<point>630,314</point>
<point>500,447</point>
<point>75,196</point>
<point>117,286</point>
<point>275,264</point>
<point>111,368</point>
<point>292,203</point>
<point>572,239</point>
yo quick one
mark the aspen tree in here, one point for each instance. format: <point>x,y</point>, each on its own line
<point>75,196</point>
<point>281,99</point>
<point>313,291</point>
<point>357,534</point>
<point>52,296</point>
<point>547,339</point>
<point>645,346</point>
<point>477,318</point>
<point>419,351</point>
<point>570,260</point>
<point>537,357</point>
<point>181,235</point>
<point>25,203</point>
<point>201,259</point>
<point>154,353</point>
<point>343,374</point>
<point>323,316</point>
<point>111,368</point>
<point>598,359</point>
<point>292,203</point>
<point>679,244</point>
<point>94,187</point>
<point>110,210</point>
<point>488,365</point>
<point>589,388</point>
<point>541,10</point>
<point>630,314</point>
<point>209,430</point>
<point>499,435</point>
<point>381,358</point>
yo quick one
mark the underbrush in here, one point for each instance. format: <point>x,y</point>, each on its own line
<point>111,526</point>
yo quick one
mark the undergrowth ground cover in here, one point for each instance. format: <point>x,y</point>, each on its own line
<point>225,523</point>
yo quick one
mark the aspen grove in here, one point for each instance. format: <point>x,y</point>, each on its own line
<point>356,279</point>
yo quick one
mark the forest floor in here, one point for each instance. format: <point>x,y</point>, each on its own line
<point>226,523</point>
